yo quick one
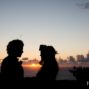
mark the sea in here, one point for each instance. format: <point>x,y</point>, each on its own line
<point>63,73</point>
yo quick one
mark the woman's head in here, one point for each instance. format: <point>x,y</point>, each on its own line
<point>47,53</point>
<point>43,53</point>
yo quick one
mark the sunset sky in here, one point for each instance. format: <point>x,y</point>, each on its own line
<point>63,24</point>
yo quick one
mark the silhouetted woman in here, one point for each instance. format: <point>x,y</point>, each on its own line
<point>11,68</point>
<point>49,68</point>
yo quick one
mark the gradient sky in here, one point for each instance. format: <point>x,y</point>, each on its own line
<point>61,23</point>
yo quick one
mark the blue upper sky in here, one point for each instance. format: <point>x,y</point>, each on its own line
<point>61,23</point>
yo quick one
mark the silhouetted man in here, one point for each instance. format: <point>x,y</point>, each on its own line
<point>11,68</point>
<point>49,68</point>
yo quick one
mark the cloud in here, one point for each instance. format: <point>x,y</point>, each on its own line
<point>86,6</point>
<point>83,5</point>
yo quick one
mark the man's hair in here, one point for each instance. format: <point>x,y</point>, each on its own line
<point>14,46</point>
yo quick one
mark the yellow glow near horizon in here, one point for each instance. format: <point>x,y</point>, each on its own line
<point>33,65</point>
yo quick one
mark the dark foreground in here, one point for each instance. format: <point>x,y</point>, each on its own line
<point>29,82</point>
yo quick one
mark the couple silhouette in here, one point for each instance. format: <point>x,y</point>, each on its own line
<point>11,67</point>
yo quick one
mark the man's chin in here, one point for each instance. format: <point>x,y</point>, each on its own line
<point>19,55</point>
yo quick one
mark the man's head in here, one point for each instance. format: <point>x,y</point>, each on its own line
<point>15,48</point>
